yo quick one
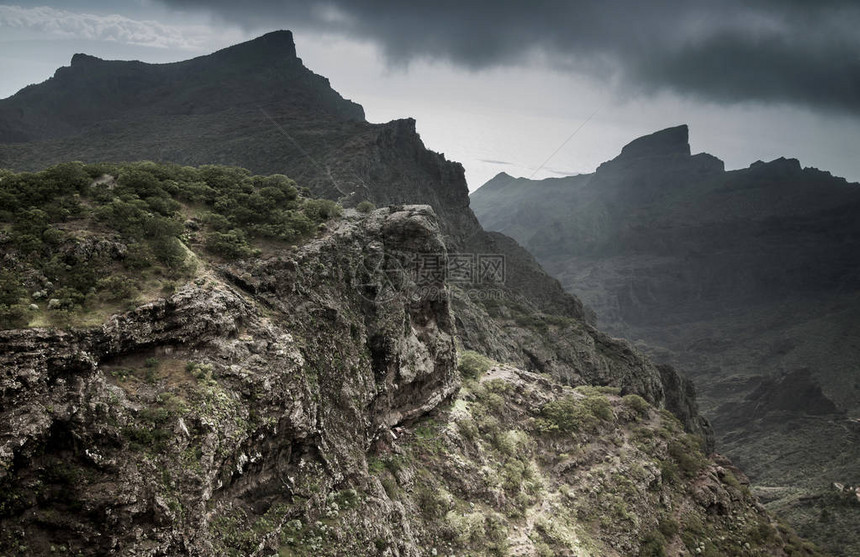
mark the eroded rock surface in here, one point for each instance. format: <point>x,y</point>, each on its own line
<point>251,385</point>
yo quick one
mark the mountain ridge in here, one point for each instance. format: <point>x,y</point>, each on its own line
<point>348,160</point>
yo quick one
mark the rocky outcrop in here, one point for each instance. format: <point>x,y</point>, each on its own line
<point>668,142</point>
<point>252,385</point>
<point>519,464</point>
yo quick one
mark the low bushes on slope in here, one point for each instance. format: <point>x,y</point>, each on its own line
<point>77,235</point>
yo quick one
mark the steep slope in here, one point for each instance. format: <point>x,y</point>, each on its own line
<point>747,279</point>
<point>288,398</point>
<point>254,105</point>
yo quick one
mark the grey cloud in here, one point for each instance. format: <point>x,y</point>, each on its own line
<point>796,51</point>
<point>731,68</point>
<point>59,23</point>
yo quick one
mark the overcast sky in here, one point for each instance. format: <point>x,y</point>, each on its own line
<point>535,89</point>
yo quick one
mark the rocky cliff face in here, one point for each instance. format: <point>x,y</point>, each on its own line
<point>270,114</point>
<point>747,279</point>
<point>308,402</point>
<point>263,431</point>
<point>253,385</point>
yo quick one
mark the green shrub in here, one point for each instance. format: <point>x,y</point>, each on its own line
<point>232,244</point>
<point>570,414</point>
<point>346,499</point>
<point>563,415</point>
<point>196,192</point>
<point>151,430</point>
<point>653,545</point>
<point>375,466</point>
<point>117,287</point>
<point>687,455</point>
<point>216,221</point>
<point>637,404</point>
<point>592,390</point>
<point>11,289</point>
<point>599,407</point>
<point>762,533</point>
<point>202,372</point>
<point>15,316</point>
<point>429,502</point>
<point>514,473</point>
<point>69,298</point>
<point>389,484</point>
<point>365,207</point>
<point>668,472</point>
<point>68,176</point>
<point>53,237</point>
<point>321,210</point>
<point>668,527</point>
<point>467,429</point>
<point>472,365</point>
<point>731,480</point>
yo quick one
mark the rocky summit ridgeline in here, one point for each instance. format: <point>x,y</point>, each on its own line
<point>207,361</point>
<point>746,279</point>
<point>92,92</point>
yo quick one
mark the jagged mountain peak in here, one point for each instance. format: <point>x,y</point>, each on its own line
<point>500,180</point>
<point>288,120</point>
<point>737,276</point>
<point>271,48</point>
<point>670,141</point>
<point>668,144</point>
<point>781,164</point>
<point>280,40</point>
<point>274,47</point>
<point>81,58</point>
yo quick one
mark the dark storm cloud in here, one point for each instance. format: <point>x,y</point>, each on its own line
<point>803,52</point>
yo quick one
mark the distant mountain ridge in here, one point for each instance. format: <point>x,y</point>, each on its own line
<point>92,92</point>
<point>667,202</point>
<point>748,279</point>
